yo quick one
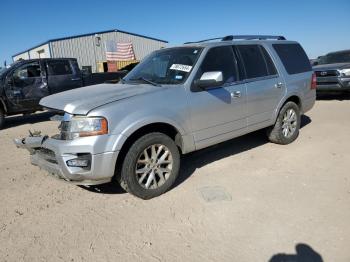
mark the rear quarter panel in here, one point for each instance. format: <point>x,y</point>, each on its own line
<point>296,84</point>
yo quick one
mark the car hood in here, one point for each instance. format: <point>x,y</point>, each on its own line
<point>331,66</point>
<point>82,100</point>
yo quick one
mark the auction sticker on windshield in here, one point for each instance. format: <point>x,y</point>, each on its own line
<point>179,67</point>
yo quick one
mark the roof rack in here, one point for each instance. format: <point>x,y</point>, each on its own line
<point>242,37</point>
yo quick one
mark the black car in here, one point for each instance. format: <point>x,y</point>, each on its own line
<point>25,82</point>
<point>333,72</point>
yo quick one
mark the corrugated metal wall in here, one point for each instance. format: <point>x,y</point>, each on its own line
<point>23,56</point>
<point>43,51</point>
<point>88,54</point>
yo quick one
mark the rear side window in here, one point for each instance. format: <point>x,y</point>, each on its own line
<point>59,67</point>
<point>257,62</point>
<point>293,58</point>
<point>271,69</point>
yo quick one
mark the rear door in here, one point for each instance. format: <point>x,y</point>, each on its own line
<point>265,86</point>
<point>63,75</point>
<point>26,85</point>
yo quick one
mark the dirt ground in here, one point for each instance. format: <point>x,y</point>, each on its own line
<point>243,200</point>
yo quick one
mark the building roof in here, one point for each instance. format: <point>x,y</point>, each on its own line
<point>88,34</point>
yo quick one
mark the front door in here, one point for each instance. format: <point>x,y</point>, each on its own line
<point>25,86</point>
<point>217,114</point>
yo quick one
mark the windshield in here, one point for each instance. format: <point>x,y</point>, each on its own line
<point>343,57</point>
<point>165,66</point>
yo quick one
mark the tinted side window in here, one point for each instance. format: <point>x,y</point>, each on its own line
<point>253,60</point>
<point>222,59</point>
<point>293,58</point>
<point>271,69</point>
<point>59,67</point>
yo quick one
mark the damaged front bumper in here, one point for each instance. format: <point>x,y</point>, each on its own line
<point>55,156</point>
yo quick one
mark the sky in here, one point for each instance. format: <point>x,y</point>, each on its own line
<point>320,26</point>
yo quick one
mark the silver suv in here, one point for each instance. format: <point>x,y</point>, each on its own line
<point>176,101</point>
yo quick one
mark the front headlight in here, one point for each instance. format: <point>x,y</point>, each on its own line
<point>79,126</point>
<point>345,72</point>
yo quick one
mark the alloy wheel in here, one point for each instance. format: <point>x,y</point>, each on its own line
<point>154,166</point>
<point>289,123</point>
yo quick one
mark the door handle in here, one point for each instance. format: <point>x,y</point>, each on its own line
<point>236,94</point>
<point>279,85</point>
<point>75,79</point>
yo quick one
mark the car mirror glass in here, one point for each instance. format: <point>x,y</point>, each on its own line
<point>210,80</point>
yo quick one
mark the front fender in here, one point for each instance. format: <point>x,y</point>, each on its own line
<point>124,123</point>
<point>126,128</point>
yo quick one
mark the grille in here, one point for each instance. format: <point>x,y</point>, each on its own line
<point>326,73</point>
<point>327,83</point>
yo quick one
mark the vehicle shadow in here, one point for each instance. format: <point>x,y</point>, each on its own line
<point>108,188</point>
<point>17,120</point>
<point>192,161</point>
<point>198,159</point>
<point>333,96</point>
<point>304,253</point>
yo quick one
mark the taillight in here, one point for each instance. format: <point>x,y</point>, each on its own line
<point>313,81</point>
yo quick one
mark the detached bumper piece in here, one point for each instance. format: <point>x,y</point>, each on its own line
<point>57,165</point>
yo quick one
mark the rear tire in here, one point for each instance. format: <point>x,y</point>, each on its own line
<point>286,128</point>
<point>150,166</point>
<point>2,118</point>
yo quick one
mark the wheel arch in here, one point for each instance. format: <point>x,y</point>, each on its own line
<point>294,98</point>
<point>291,98</point>
<point>162,127</point>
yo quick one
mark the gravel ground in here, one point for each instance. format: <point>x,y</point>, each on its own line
<point>243,200</point>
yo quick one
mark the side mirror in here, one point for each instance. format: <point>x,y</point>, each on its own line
<point>209,80</point>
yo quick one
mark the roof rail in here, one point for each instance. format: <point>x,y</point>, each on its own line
<point>242,37</point>
<point>205,40</point>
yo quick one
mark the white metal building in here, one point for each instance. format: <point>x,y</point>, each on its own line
<point>89,49</point>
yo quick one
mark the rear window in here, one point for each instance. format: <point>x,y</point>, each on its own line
<point>256,60</point>
<point>293,58</point>
<point>59,67</point>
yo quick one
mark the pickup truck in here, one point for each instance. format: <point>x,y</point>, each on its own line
<point>25,82</point>
<point>333,72</point>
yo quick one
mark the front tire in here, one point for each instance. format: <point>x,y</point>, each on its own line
<point>151,166</point>
<point>286,128</point>
<point>2,118</point>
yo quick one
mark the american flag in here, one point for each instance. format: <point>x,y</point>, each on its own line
<point>119,51</point>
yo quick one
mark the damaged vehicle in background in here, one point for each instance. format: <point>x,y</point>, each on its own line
<point>25,82</point>
<point>333,72</point>
<point>176,101</point>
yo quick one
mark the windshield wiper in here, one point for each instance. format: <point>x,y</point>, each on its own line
<point>145,80</point>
